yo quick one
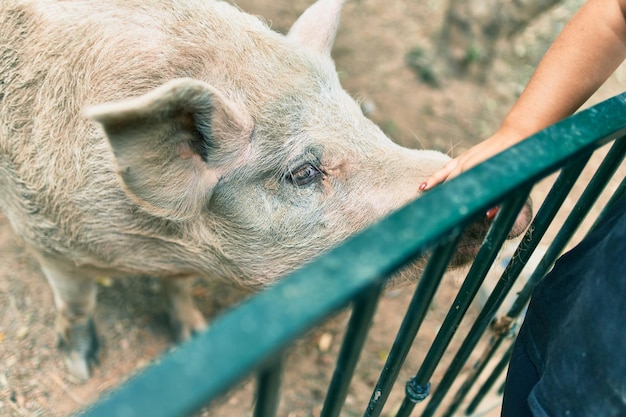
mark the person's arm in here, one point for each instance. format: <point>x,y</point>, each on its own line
<point>583,56</point>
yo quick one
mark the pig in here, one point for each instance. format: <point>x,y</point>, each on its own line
<point>182,138</point>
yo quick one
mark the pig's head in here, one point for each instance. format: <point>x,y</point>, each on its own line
<point>269,169</point>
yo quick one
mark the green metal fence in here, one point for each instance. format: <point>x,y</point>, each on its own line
<point>252,338</point>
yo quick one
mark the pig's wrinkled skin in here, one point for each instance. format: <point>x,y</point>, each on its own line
<point>182,138</point>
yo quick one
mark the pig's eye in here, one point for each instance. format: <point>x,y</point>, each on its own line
<point>304,175</point>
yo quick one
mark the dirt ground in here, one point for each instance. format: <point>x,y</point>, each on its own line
<point>369,51</point>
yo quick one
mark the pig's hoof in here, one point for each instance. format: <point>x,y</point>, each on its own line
<point>80,349</point>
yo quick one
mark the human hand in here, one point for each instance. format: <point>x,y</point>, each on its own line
<point>472,157</point>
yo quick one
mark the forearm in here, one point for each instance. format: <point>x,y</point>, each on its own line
<point>582,57</point>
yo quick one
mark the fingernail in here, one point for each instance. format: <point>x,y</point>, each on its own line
<point>423,186</point>
<point>491,213</point>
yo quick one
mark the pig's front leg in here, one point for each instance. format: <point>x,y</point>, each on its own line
<point>185,318</point>
<point>75,299</point>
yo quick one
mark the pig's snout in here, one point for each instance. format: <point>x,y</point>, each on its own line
<point>469,244</point>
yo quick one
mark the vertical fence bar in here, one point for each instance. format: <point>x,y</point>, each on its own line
<point>494,239</point>
<point>582,207</point>
<point>559,191</point>
<point>477,370</point>
<point>493,377</point>
<point>268,390</point>
<point>360,322</point>
<point>598,182</point>
<point>426,288</point>
<point>481,323</point>
<point>621,189</point>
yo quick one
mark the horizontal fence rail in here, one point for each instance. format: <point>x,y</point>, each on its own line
<point>251,338</point>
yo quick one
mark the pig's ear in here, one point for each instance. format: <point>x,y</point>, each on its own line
<point>317,26</point>
<point>171,144</point>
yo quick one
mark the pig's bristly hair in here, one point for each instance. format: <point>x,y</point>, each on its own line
<point>65,57</point>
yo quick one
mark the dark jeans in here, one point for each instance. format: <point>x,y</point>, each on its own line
<point>570,356</point>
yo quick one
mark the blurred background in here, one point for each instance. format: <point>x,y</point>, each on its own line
<point>438,74</point>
